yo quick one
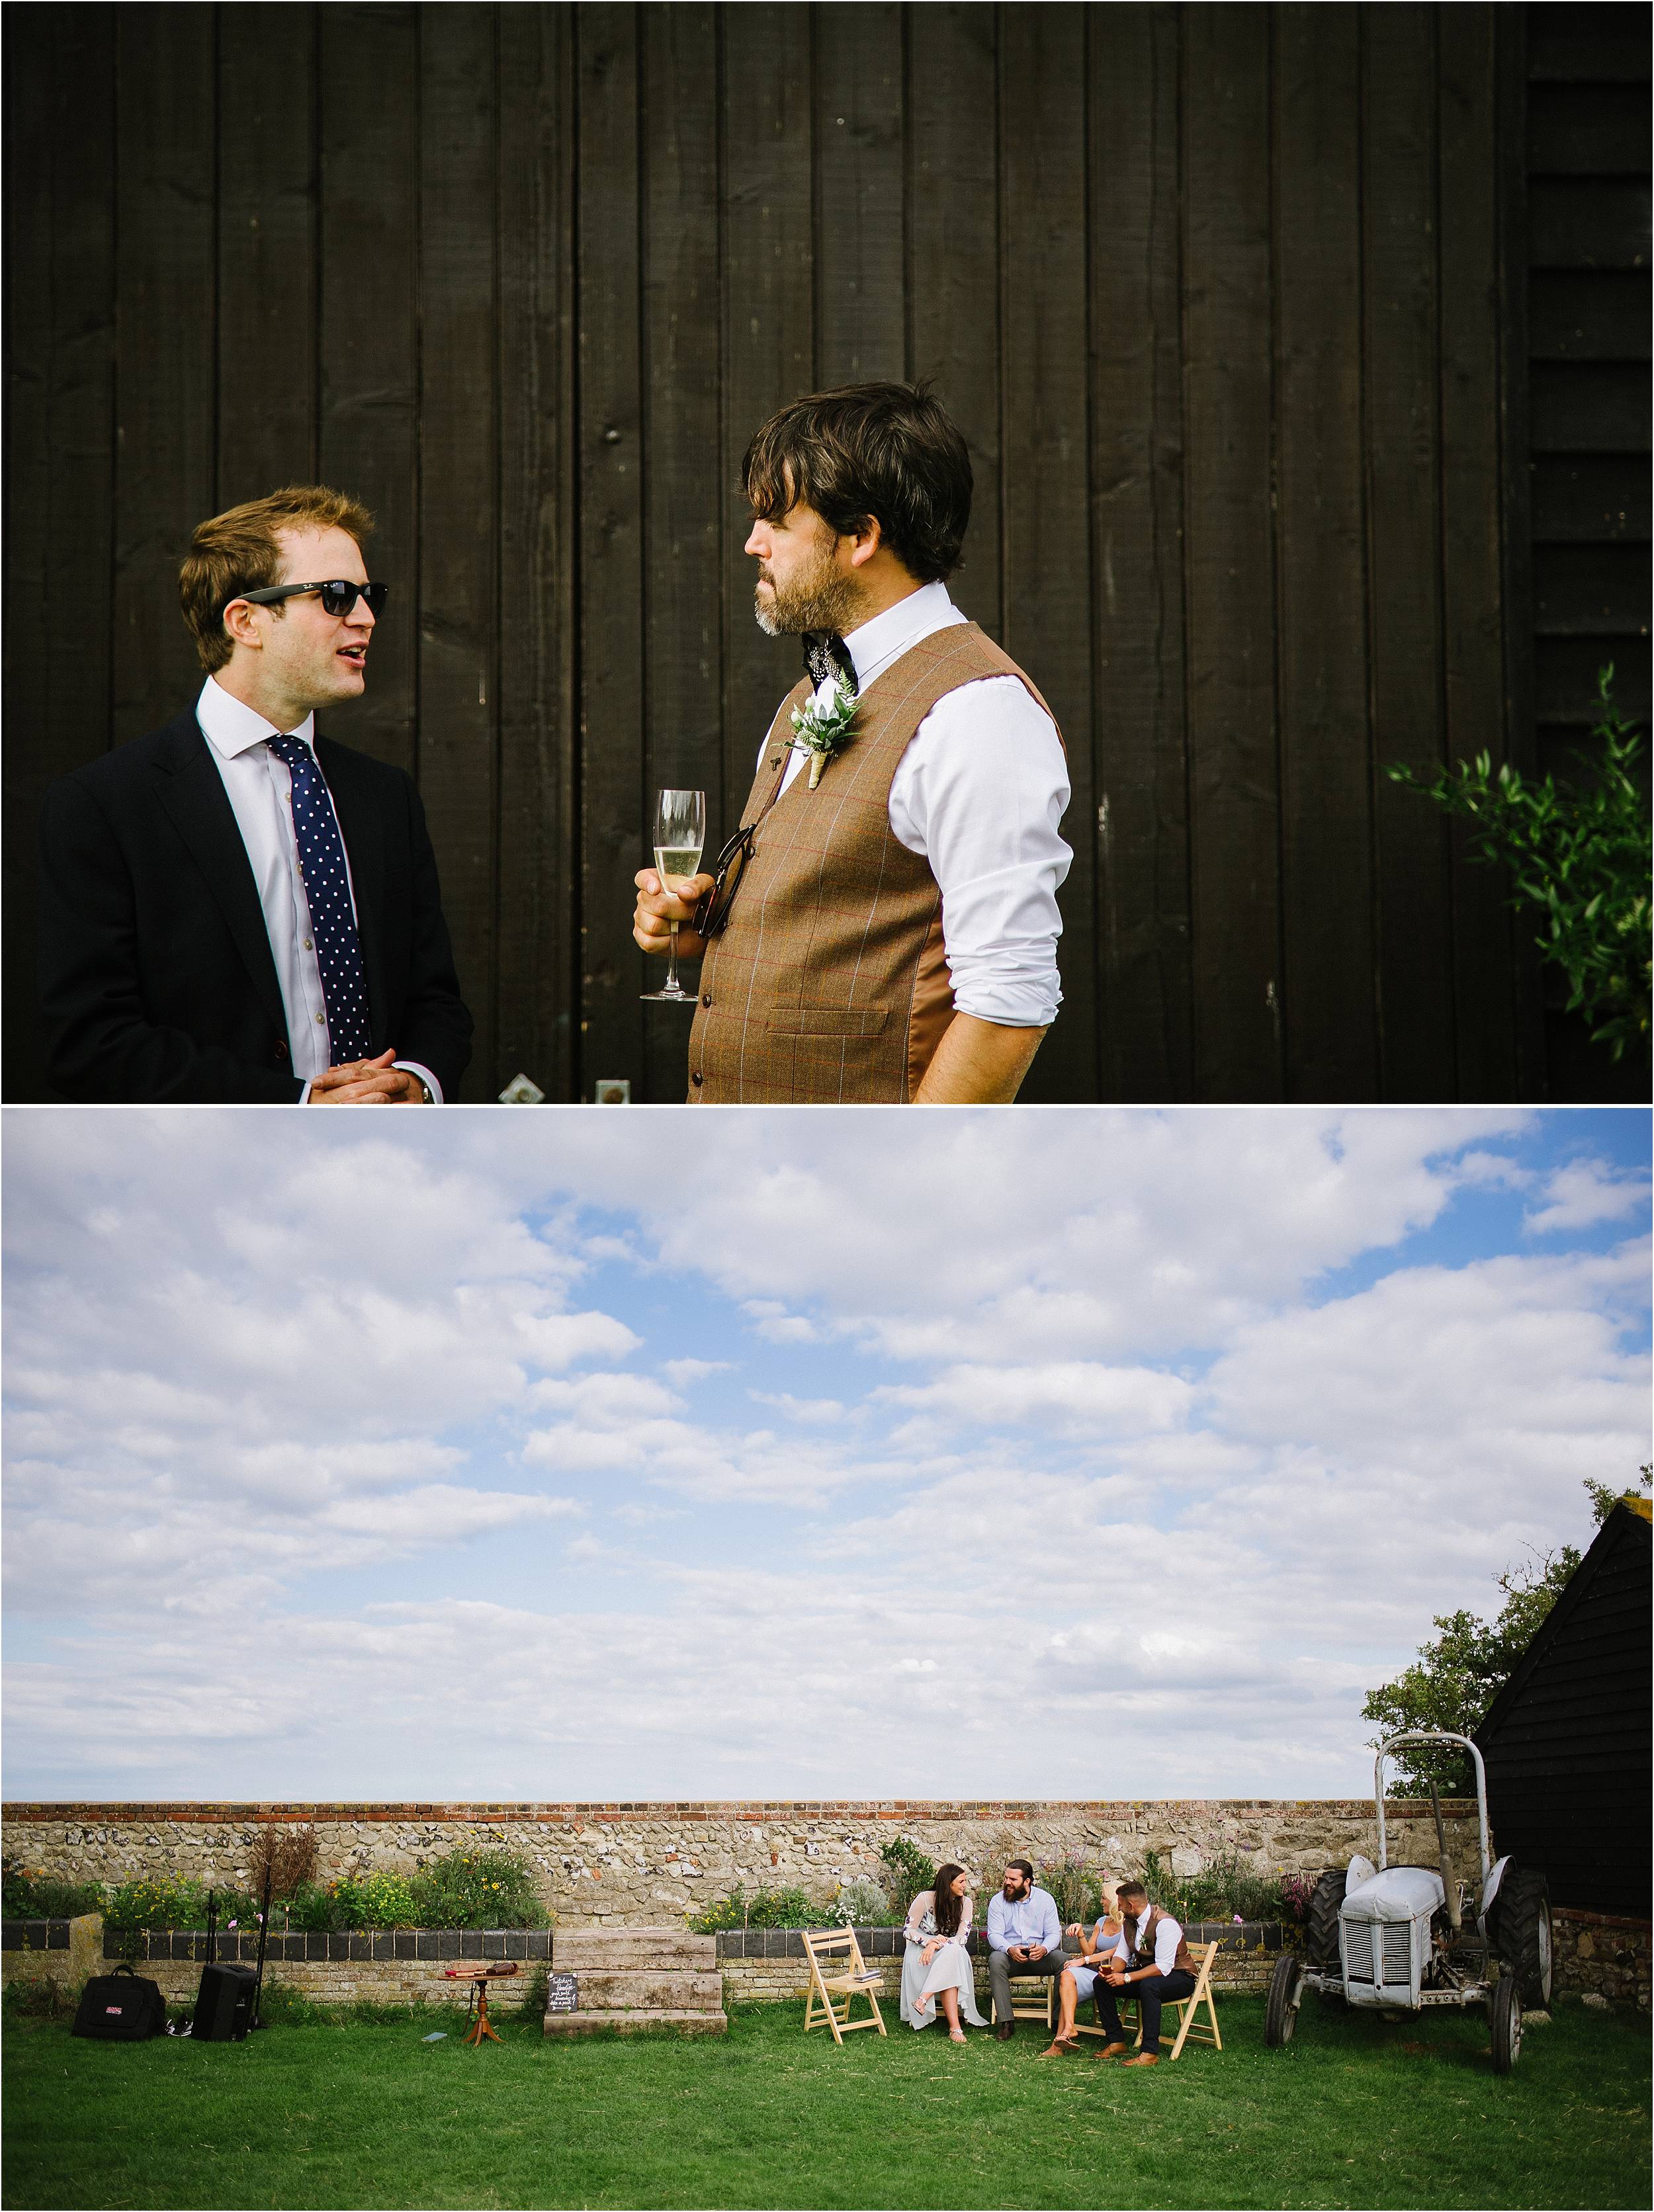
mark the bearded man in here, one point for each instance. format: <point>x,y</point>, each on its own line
<point>883,927</point>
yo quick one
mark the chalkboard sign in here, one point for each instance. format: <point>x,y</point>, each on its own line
<point>562,1993</point>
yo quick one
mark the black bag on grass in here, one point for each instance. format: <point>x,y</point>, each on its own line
<point>121,2007</point>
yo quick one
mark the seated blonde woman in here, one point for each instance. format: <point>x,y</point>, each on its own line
<point>1079,1975</point>
<point>936,1968</point>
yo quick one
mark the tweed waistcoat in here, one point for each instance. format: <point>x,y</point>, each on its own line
<point>1139,1938</point>
<point>829,983</point>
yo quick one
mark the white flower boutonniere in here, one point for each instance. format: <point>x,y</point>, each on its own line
<point>821,732</point>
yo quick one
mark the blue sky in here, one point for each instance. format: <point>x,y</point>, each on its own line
<point>574,1454</point>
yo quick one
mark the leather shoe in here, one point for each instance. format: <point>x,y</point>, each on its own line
<point>1145,2058</point>
<point>1113,2050</point>
<point>1004,2031</point>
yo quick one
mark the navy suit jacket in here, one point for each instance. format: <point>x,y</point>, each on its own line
<point>156,979</point>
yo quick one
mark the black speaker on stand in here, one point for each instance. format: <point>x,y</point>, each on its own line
<point>227,2000</point>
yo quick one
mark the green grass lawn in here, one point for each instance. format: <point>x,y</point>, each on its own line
<point>1355,2112</point>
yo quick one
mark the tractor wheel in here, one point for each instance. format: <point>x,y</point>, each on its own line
<point>1505,2012</point>
<point>1280,2014</point>
<point>1524,1934</point>
<point>1321,1918</point>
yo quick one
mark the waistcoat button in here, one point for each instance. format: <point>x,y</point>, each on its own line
<point>696,1078</point>
<point>706,998</point>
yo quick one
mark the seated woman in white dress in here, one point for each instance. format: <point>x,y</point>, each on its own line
<point>1080,1976</point>
<point>936,1966</point>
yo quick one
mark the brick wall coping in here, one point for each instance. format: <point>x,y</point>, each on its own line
<point>756,1811</point>
<point>1599,1920</point>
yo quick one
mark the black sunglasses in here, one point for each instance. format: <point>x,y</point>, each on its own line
<point>712,910</point>
<point>337,598</point>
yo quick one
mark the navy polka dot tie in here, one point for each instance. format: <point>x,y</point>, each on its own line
<point>327,889</point>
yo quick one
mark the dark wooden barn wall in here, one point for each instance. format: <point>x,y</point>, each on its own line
<point>1591,398</point>
<point>1222,296</point>
<point>1566,1743</point>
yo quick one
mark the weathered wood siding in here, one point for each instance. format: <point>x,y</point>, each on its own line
<point>1567,1742</point>
<point>1588,320</point>
<point>1227,300</point>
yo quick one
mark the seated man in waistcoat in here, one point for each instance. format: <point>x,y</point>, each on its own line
<point>884,925</point>
<point>1151,1963</point>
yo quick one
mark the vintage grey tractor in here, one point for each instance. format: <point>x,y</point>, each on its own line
<point>1403,1939</point>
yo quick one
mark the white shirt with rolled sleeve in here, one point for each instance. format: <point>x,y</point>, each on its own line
<point>1168,1935</point>
<point>259,789</point>
<point>1032,1919</point>
<point>978,794</point>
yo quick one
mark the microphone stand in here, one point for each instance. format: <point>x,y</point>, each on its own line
<point>263,1930</point>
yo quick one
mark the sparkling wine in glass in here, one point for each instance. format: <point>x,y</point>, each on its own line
<point>680,835</point>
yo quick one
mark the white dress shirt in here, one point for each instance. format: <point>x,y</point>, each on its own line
<point>1032,1918</point>
<point>979,793</point>
<point>260,792</point>
<point>1168,1935</point>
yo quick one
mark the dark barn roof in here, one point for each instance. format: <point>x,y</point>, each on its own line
<point>1566,1740</point>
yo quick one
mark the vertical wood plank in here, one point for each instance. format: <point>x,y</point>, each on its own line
<point>614,803</point>
<point>683,500</point>
<point>368,286</point>
<point>268,216</point>
<point>534,366</point>
<point>1047,516</point>
<point>59,291</point>
<point>1403,498</point>
<point>1234,774</point>
<point>860,320</point>
<point>458,494</point>
<point>1145,1013</point>
<point>953,257</point>
<point>1471,554</point>
<point>1516,509</point>
<point>166,305</point>
<point>1328,990</point>
<point>769,245</point>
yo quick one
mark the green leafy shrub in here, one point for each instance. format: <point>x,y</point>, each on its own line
<point>31,1893</point>
<point>477,1889</point>
<point>765,1908</point>
<point>171,1901</point>
<point>39,1997</point>
<point>862,1903</point>
<point>375,1900</point>
<point>1075,1884</point>
<point>910,1870</point>
<point>1581,856</point>
<point>1223,1887</point>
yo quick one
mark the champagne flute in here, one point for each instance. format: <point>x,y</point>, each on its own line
<point>680,833</point>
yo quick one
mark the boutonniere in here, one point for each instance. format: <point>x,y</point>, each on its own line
<point>821,732</point>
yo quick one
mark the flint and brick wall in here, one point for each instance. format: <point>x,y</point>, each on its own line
<point>619,1864</point>
<point>1598,1955</point>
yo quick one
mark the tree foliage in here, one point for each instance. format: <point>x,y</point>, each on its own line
<point>1580,855</point>
<point>1455,1679</point>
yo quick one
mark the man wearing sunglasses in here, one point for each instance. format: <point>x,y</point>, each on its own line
<point>235,908</point>
<point>882,926</point>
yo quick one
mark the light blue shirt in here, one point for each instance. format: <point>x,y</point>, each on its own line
<point>1032,1919</point>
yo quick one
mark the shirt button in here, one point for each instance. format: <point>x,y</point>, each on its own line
<point>319,1017</point>
<point>309,946</point>
<point>696,1078</point>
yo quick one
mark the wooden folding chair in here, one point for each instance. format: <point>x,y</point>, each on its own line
<point>832,1994</point>
<point>1188,2025</point>
<point>1033,1996</point>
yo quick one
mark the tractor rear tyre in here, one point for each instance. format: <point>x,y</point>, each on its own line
<point>1280,2014</point>
<point>1321,1918</point>
<point>1524,1934</point>
<point>1505,2012</point>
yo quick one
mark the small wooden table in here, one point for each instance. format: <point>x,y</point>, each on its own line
<point>479,1977</point>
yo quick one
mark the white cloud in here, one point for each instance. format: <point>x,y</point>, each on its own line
<point>1586,1192</point>
<point>1085,1458</point>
